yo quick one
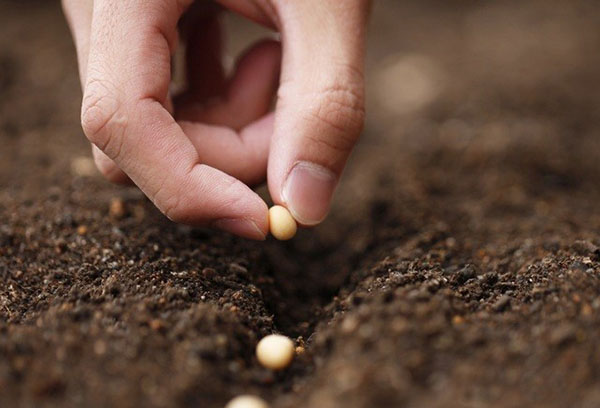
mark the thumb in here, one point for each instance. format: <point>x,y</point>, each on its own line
<point>320,106</point>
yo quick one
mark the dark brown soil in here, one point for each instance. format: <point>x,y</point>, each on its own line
<point>460,266</point>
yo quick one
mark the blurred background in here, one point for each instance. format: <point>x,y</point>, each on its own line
<point>438,72</point>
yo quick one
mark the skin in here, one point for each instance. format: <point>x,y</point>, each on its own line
<point>195,155</point>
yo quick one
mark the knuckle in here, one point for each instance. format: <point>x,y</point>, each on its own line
<point>102,117</point>
<point>342,107</point>
<point>339,111</point>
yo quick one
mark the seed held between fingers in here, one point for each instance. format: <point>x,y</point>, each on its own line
<point>281,223</point>
<point>275,351</point>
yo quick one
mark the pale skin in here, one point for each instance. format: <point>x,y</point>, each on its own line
<point>194,155</point>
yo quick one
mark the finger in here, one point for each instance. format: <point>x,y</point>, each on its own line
<point>251,90</point>
<point>246,151</point>
<point>246,104</point>
<point>320,107</point>
<point>262,12</point>
<point>79,17</point>
<point>124,114</point>
<point>248,95</point>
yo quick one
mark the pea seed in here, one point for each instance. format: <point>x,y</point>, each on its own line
<point>281,223</point>
<point>247,401</point>
<point>275,351</point>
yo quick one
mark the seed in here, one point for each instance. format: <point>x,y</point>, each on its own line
<point>247,401</point>
<point>281,223</point>
<point>275,351</point>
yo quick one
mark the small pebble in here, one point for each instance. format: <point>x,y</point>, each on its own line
<point>586,310</point>
<point>83,166</point>
<point>99,347</point>
<point>247,401</point>
<point>457,319</point>
<point>156,325</point>
<point>281,223</point>
<point>275,351</point>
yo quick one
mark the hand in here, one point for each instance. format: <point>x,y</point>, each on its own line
<point>193,157</point>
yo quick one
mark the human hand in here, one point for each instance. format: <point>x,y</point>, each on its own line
<point>193,159</point>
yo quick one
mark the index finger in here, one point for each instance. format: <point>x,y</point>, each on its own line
<point>123,113</point>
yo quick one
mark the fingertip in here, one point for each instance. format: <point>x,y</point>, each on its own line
<point>241,227</point>
<point>253,222</point>
<point>260,216</point>
<point>218,200</point>
<point>307,192</point>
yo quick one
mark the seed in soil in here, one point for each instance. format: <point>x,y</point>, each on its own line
<point>281,223</point>
<point>275,351</point>
<point>247,401</point>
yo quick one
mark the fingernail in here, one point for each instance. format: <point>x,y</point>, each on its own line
<point>241,227</point>
<point>307,192</point>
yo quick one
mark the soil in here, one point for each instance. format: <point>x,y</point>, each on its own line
<point>460,265</point>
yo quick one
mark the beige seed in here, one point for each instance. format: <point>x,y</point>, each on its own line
<point>281,223</point>
<point>247,401</point>
<point>275,351</point>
